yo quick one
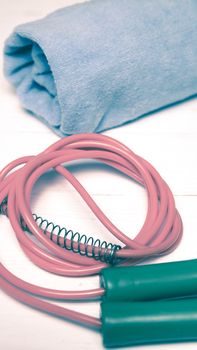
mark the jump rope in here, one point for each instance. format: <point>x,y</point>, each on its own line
<point>140,304</point>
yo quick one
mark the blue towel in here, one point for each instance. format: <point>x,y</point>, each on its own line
<point>99,64</point>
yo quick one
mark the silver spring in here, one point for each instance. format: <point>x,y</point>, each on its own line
<point>93,248</point>
<point>73,241</point>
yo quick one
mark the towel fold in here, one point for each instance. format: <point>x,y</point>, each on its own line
<point>99,64</point>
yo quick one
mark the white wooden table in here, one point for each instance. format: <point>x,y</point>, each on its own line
<point>167,139</point>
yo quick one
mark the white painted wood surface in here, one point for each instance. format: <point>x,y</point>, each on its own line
<point>167,139</point>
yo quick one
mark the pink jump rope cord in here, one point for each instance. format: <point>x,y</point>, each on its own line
<point>160,233</point>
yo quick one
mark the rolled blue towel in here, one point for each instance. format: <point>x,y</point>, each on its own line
<point>99,64</point>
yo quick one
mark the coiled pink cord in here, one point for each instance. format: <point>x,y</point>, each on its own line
<point>160,234</point>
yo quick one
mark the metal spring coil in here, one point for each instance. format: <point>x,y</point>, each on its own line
<point>99,250</point>
<point>94,248</point>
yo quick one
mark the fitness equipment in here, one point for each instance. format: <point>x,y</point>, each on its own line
<point>130,314</point>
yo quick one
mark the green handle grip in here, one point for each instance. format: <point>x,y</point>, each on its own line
<point>150,282</point>
<point>127,323</point>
